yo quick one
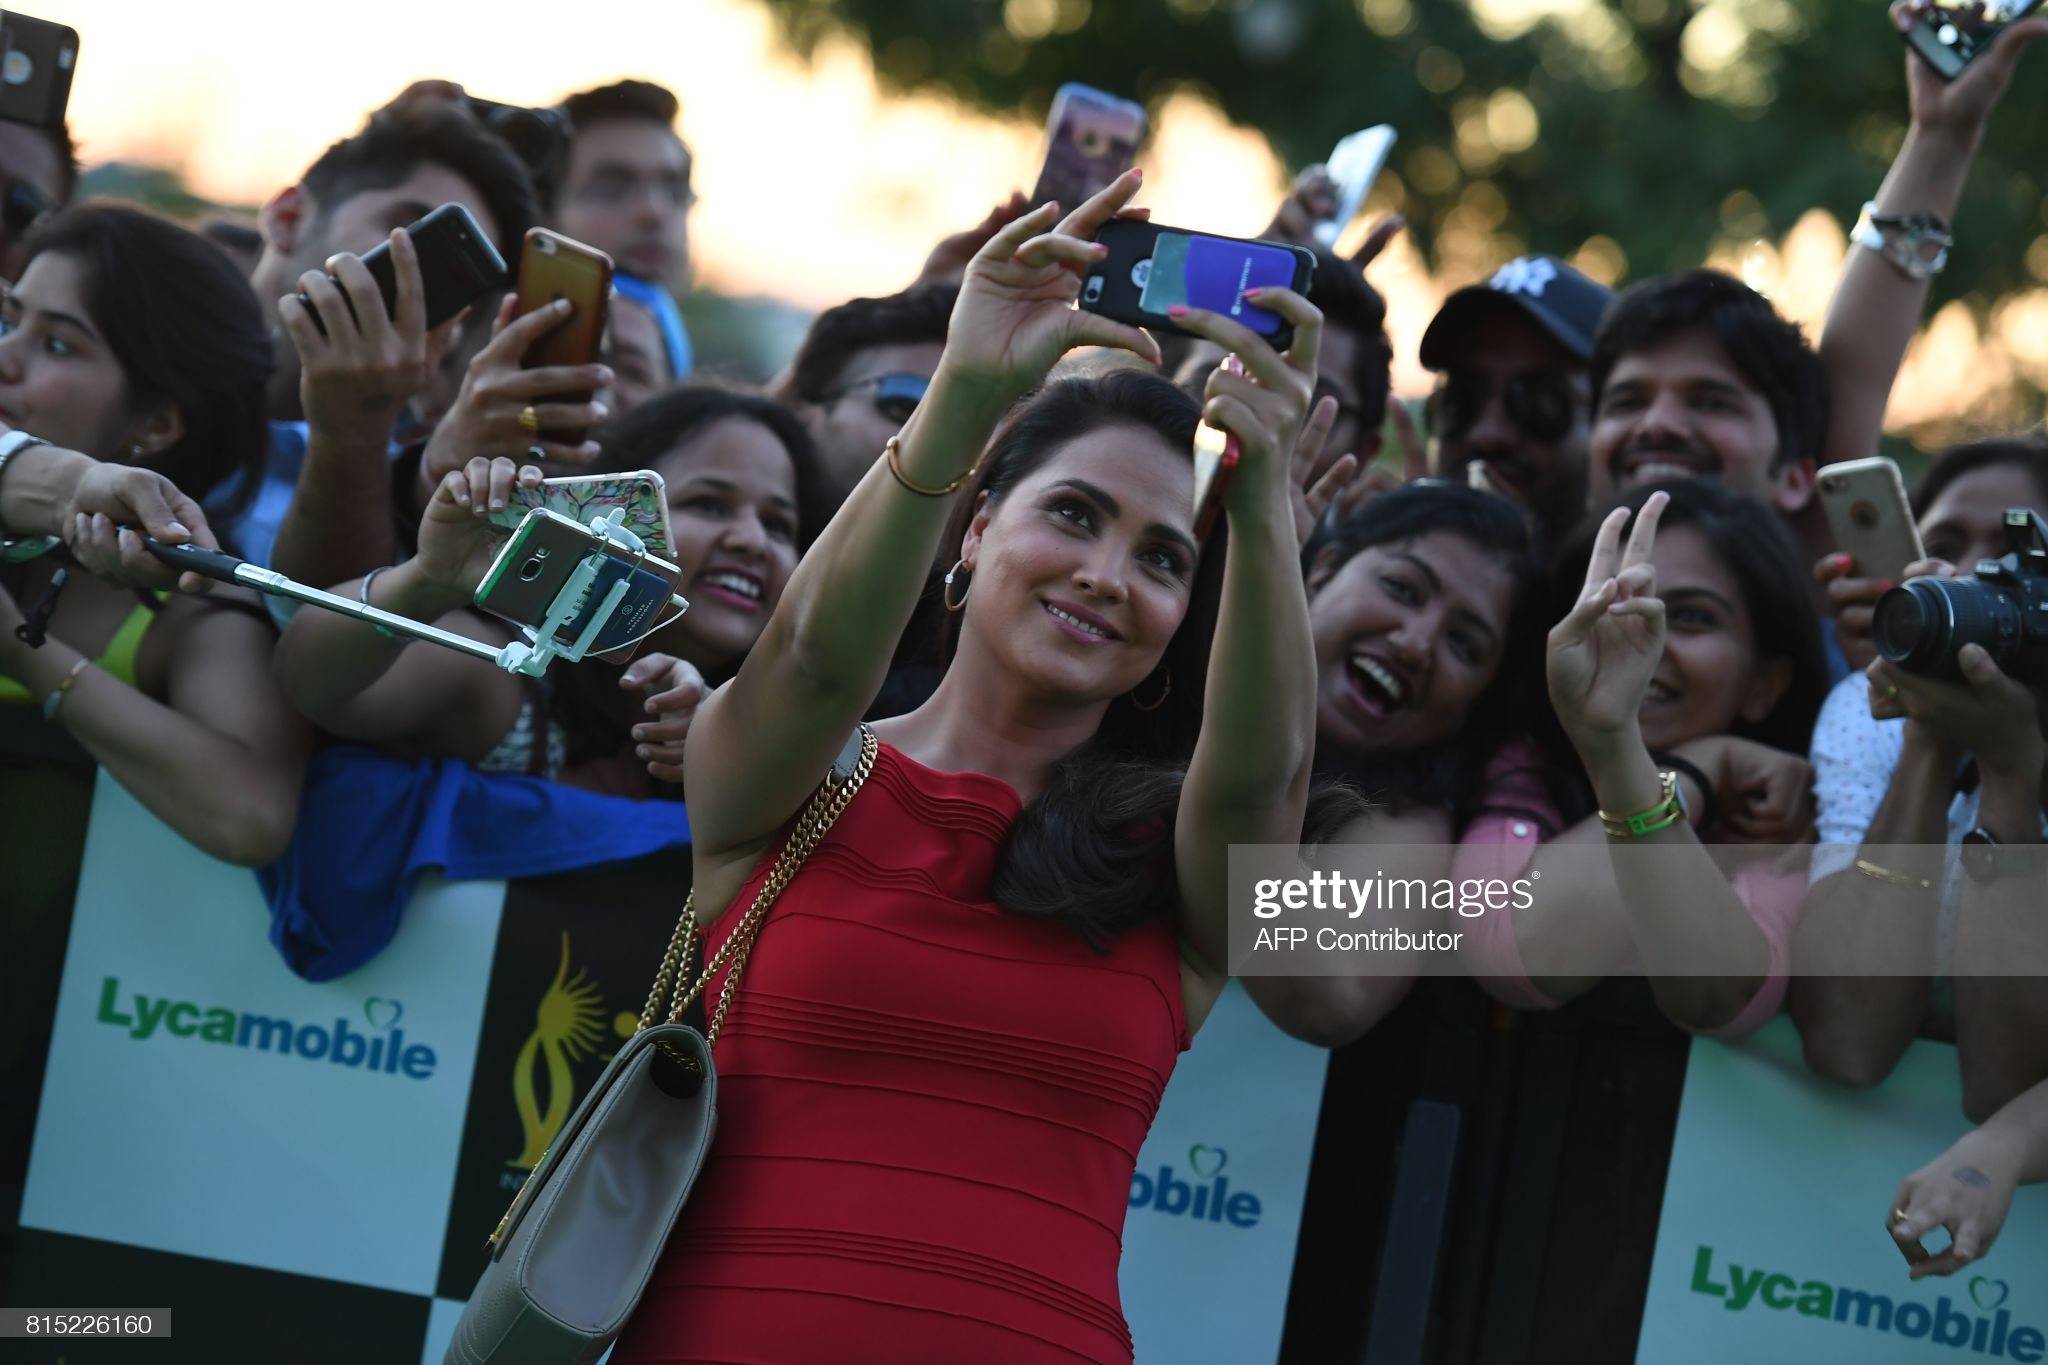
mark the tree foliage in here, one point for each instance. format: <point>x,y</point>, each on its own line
<point>1648,115</point>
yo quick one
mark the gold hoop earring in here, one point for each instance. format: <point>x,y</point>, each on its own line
<point>1165,690</point>
<point>946,592</point>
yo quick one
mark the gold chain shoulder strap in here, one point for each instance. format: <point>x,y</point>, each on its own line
<point>819,815</point>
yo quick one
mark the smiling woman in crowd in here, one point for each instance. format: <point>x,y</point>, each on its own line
<point>1718,686</point>
<point>737,469</point>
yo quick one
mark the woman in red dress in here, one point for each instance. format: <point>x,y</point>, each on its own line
<point>958,1019</point>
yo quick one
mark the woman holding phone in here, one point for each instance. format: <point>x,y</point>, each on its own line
<point>960,1016</point>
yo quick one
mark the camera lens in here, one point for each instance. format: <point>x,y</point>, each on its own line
<point>1922,625</point>
<point>530,570</point>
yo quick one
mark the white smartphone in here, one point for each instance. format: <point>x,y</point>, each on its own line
<point>1354,165</point>
<point>1865,502</point>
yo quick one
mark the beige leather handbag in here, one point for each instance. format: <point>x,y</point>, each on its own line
<point>573,1254</point>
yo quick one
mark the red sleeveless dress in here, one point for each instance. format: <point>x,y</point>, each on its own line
<point>929,1110</point>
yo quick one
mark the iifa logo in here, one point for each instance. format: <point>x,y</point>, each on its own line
<point>381,1047</point>
<point>1205,1197</point>
<point>1943,1325</point>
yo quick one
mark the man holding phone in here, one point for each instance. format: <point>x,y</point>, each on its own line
<point>627,192</point>
<point>322,515</point>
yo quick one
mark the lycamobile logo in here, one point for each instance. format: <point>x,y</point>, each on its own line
<point>1944,1324</point>
<point>381,1046</point>
<point>1205,1198</point>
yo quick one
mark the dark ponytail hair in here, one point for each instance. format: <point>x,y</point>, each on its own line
<point>1449,774</point>
<point>1095,849</point>
<point>186,329</point>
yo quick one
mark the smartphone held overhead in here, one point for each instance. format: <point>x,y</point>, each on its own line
<point>1353,167</point>
<point>37,59</point>
<point>641,498</point>
<point>458,266</point>
<point>1150,269</point>
<point>554,269</point>
<point>1091,138</point>
<point>1950,36</point>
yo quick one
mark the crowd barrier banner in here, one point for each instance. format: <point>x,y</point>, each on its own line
<point>1772,1247</point>
<point>223,1138</point>
<point>1216,1201</point>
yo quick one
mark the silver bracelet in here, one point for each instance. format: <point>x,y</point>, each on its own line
<point>1916,243</point>
<point>12,444</point>
<point>363,596</point>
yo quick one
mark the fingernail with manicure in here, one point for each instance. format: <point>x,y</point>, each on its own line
<point>1178,310</point>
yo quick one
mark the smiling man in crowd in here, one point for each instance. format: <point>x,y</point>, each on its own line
<point>1512,405</point>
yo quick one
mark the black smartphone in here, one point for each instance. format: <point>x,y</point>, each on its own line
<point>1951,36</point>
<point>36,61</point>
<point>458,265</point>
<point>1150,269</point>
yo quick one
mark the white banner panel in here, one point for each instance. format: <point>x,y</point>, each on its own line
<point>203,1100</point>
<point>1772,1246</point>
<point>1217,1198</point>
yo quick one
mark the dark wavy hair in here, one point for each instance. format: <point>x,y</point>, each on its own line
<point>1751,543</point>
<point>1771,353</point>
<point>1449,774</point>
<point>1095,849</point>
<point>185,328</point>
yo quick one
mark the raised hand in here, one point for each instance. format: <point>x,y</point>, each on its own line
<point>1968,1189</point>
<point>1965,103</point>
<point>457,541</point>
<point>1379,478</point>
<point>359,363</point>
<point>1266,403</point>
<point>488,419</point>
<point>1604,652</point>
<point>674,689</point>
<point>1016,315</point>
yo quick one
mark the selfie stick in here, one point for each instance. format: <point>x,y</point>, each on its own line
<point>530,656</point>
<point>541,648</point>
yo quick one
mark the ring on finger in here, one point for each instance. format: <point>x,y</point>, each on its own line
<point>529,420</point>
<point>1898,1217</point>
<point>536,452</point>
<point>1892,691</point>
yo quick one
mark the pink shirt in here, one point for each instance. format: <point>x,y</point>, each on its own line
<point>1516,816</point>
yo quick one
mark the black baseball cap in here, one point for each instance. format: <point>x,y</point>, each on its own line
<point>1564,301</point>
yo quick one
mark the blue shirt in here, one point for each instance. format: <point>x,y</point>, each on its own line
<point>253,534</point>
<point>667,316</point>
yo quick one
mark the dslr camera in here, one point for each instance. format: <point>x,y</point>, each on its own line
<point>1923,623</point>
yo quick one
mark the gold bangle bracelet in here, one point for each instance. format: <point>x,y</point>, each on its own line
<point>896,444</point>
<point>1891,878</point>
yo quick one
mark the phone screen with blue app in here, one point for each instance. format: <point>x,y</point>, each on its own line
<point>1213,273</point>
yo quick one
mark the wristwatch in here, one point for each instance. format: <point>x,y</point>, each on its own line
<point>1986,860</point>
<point>1917,243</point>
<point>12,443</point>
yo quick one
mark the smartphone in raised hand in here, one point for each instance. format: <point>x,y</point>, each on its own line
<point>1091,138</point>
<point>458,266</point>
<point>581,496</point>
<point>37,59</point>
<point>1949,36</point>
<point>1151,268</point>
<point>1353,167</point>
<point>1866,507</point>
<point>551,268</point>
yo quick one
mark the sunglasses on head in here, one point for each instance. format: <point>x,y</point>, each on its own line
<point>895,396</point>
<point>22,206</point>
<point>1540,403</point>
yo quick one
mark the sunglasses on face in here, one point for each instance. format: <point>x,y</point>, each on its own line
<point>895,396</point>
<point>22,206</point>
<point>1540,403</point>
